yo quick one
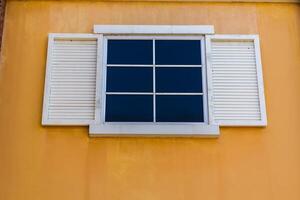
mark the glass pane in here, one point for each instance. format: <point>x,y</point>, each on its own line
<point>130,52</point>
<point>178,79</point>
<point>129,79</point>
<point>129,108</point>
<point>177,52</point>
<point>172,108</point>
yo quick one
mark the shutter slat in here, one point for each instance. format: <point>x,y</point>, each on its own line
<point>72,81</point>
<point>234,81</point>
<point>73,104</point>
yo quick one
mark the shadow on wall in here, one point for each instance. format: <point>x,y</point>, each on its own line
<point>2,14</point>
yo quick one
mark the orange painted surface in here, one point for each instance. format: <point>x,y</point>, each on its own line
<point>47,163</point>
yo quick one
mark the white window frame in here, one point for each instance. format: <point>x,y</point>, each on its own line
<point>153,38</point>
<point>154,128</point>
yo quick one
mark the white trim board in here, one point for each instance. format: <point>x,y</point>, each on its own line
<point>107,129</point>
<point>155,29</point>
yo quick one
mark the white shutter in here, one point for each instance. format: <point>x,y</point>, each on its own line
<point>235,83</point>
<point>71,76</point>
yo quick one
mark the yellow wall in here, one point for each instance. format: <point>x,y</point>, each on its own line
<point>47,163</point>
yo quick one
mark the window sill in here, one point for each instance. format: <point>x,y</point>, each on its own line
<point>154,130</point>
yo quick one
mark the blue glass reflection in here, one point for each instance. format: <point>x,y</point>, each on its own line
<point>130,52</point>
<point>129,79</point>
<point>177,52</point>
<point>172,108</point>
<point>129,108</point>
<point>178,79</point>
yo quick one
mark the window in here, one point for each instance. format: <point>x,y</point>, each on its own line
<point>153,80</point>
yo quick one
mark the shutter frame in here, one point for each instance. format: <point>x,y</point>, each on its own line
<point>260,85</point>
<point>52,37</point>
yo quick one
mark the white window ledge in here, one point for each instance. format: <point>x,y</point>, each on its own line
<point>154,29</point>
<point>162,130</point>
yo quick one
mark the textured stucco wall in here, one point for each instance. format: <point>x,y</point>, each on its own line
<point>64,163</point>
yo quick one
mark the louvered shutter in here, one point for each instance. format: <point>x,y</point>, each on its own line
<point>71,76</point>
<point>235,83</point>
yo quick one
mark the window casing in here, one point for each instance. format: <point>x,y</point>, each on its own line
<point>168,127</point>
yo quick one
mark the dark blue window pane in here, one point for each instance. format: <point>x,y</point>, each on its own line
<point>171,108</point>
<point>178,79</point>
<point>178,52</point>
<point>129,108</point>
<point>130,52</point>
<point>129,79</point>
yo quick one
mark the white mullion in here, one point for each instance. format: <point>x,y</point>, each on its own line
<point>178,65</point>
<point>176,93</point>
<point>154,83</point>
<point>129,93</point>
<point>127,65</point>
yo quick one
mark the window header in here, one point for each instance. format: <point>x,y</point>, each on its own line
<point>155,29</point>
